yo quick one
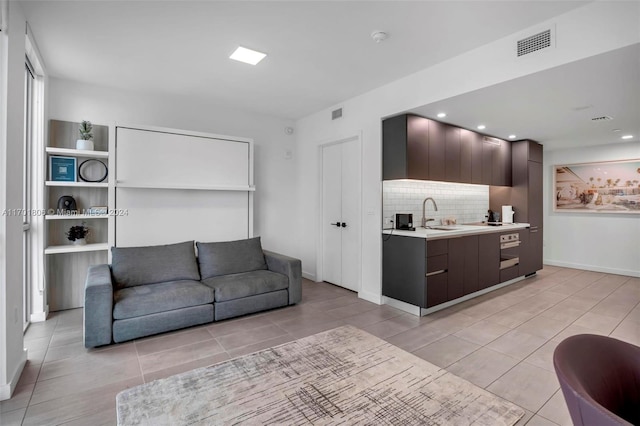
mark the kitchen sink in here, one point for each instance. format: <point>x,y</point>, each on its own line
<point>444,228</point>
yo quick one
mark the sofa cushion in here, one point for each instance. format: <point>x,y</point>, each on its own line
<point>133,266</point>
<point>148,299</point>
<point>230,257</point>
<point>244,284</point>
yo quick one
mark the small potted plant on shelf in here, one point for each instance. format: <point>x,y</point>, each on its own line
<point>78,234</point>
<point>85,142</point>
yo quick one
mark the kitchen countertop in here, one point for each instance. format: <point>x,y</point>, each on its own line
<point>455,230</point>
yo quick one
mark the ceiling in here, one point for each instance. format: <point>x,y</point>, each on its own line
<point>555,107</point>
<point>320,53</point>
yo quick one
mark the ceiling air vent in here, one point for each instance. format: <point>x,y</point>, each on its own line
<point>603,118</point>
<point>534,43</point>
<point>336,113</point>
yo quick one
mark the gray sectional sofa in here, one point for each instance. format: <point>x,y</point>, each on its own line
<point>154,289</point>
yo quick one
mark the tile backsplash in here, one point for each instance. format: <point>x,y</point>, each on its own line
<point>465,202</point>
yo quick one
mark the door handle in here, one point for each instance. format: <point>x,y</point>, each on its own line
<point>337,224</point>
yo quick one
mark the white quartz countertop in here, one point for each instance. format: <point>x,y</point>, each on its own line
<point>455,230</point>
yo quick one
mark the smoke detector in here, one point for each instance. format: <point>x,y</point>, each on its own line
<point>379,36</point>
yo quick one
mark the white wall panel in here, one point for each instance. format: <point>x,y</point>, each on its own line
<point>157,158</point>
<point>151,163</point>
<point>160,216</point>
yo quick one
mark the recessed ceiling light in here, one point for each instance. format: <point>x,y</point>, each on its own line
<point>442,115</point>
<point>627,137</point>
<point>247,56</point>
<point>481,127</point>
<point>512,136</point>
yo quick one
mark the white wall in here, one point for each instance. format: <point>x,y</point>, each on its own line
<point>274,176</point>
<point>605,242</point>
<point>590,30</point>
<point>12,54</point>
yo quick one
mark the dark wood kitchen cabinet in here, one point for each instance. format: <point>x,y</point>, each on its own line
<point>526,198</point>
<point>470,157</point>
<point>496,162</point>
<point>404,268</point>
<point>436,281</point>
<point>453,155</point>
<point>415,271</point>
<point>463,266</point>
<point>437,145</point>
<point>413,147</point>
<point>526,194</point>
<point>419,148</point>
<point>488,260</point>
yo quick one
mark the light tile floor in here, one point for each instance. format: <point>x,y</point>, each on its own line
<point>502,341</point>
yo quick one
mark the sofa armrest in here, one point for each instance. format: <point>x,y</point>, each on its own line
<point>98,306</point>
<point>290,267</point>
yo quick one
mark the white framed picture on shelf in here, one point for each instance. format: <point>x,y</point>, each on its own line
<point>62,169</point>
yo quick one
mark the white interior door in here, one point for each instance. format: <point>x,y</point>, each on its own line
<point>332,214</point>
<point>350,215</point>
<point>340,213</point>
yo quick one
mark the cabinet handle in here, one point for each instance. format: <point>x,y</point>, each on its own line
<point>441,271</point>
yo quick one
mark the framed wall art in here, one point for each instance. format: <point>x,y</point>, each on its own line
<point>606,187</point>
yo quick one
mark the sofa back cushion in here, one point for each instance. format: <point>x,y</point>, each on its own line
<point>132,266</point>
<point>230,257</point>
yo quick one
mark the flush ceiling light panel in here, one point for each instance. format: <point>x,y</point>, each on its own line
<point>247,56</point>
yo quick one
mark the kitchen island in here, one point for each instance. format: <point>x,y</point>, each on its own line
<point>430,269</point>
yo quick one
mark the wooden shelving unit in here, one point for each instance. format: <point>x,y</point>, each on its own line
<point>66,263</point>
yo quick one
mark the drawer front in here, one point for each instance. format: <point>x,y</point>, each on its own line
<point>437,247</point>
<point>435,289</point>
<point>437,263</point>
<point>509,273</point>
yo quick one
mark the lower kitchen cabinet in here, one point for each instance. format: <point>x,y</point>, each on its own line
<point>463,266</point>
<point>530,250</point>
<point>428,273</point>
<point>404,269</point>
<point>489,260</point>
<point>436,282</point>
<point>436,290</point>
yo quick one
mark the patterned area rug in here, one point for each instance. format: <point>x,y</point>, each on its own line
<point>341,376</point>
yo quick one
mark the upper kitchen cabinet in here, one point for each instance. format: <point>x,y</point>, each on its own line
<point>412,148</point>
<point>419,148</point>
<point>496,162</point>
<point>470,157</point>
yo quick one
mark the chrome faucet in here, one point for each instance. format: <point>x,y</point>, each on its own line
<point>424,218</point>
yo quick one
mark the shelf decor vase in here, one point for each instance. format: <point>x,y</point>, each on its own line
<point>85,145</point>
<point>80,242</point>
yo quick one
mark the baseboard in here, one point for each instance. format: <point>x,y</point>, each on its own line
<point>39,316</point>
<point>628,273</point>
<point>6,390</point>
<point>309,276</point>
<point>370,297</point>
